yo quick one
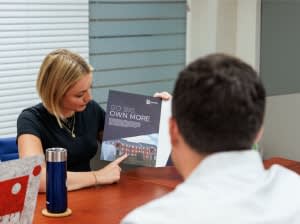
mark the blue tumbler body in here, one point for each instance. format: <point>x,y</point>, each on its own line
<point>56,178</point>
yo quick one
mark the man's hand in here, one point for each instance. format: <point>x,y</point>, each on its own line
<point>163,95</point>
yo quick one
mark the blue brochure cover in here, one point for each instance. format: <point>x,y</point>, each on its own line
<point>136,125</point>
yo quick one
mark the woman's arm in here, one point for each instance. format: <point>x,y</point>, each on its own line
<point>30,145</point>
<point>107,175</point>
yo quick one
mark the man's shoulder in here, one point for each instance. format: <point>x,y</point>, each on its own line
<point>152,212</point>
<point>284,175</point>
<point>162,210</point>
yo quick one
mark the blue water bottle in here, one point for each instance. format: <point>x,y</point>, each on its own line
<point>56,180</point>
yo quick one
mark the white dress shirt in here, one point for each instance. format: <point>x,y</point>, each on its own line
<point>230,188</point>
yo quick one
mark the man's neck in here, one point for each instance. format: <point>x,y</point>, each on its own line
<point>188,161</point>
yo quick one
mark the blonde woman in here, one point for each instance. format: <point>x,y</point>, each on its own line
<point>68,118</point>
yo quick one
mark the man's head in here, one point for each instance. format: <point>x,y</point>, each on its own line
<point>218,104</point>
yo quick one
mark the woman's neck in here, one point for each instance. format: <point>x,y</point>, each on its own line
<point>67,114</point>
<point>64,114</point>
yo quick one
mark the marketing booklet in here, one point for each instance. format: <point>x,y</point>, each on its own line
<point>136,125</point>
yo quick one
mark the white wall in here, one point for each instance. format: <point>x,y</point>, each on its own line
<point>229,26</point>
<point>248,31</point>
<point>226,26</point>
<point>282,127</point>
<point>233,26</point>
<point>201,28</point>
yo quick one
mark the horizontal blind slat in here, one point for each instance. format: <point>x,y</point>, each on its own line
<point>38,54</point>
<point>8,120</point>
<point>28,64</point>
<point>47,47</point>
<point>13,111</point>
<point>38,14</point>
<point>19,104</point>
<point>45,33</point>
<point>42,20</point>
<point>8,132</point>
<point>137,11</point>
<point>41,7</point>
<point>142,43</point>
<point>15,74</point>
<point>136,27</point>
<point>139,59</point>
<point>11,87</point>
<point>134,75</point>
<point>53,2</point>
<point>134,1</point>
<point>20,78</point>
<point>32,27</point>
<point>18,90</point>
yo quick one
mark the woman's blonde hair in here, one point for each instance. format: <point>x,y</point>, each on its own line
<point>60,70</point>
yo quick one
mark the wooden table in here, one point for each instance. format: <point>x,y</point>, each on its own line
<point>109,204</point>
<point>290,164</point>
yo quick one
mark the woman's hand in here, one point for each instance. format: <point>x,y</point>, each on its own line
<point>110,173</point>
<point>163,95</point>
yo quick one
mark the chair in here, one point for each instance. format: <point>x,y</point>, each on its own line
<point>8,149</point>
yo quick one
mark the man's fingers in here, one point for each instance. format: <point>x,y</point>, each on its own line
<point>157,94</point>
<point>120,159</point>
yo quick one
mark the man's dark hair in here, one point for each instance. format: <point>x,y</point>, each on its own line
<point>219,104</point>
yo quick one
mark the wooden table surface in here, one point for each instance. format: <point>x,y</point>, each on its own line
<point>290,164</point>
<point>109,204</point>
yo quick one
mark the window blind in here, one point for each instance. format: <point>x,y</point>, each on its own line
<point>30,29</point>
<point>136,45</point>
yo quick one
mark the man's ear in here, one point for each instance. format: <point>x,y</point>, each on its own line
<point>173,131</point>
<point>259,135</point>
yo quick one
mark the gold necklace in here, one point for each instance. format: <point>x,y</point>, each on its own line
<point>70,128</point>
